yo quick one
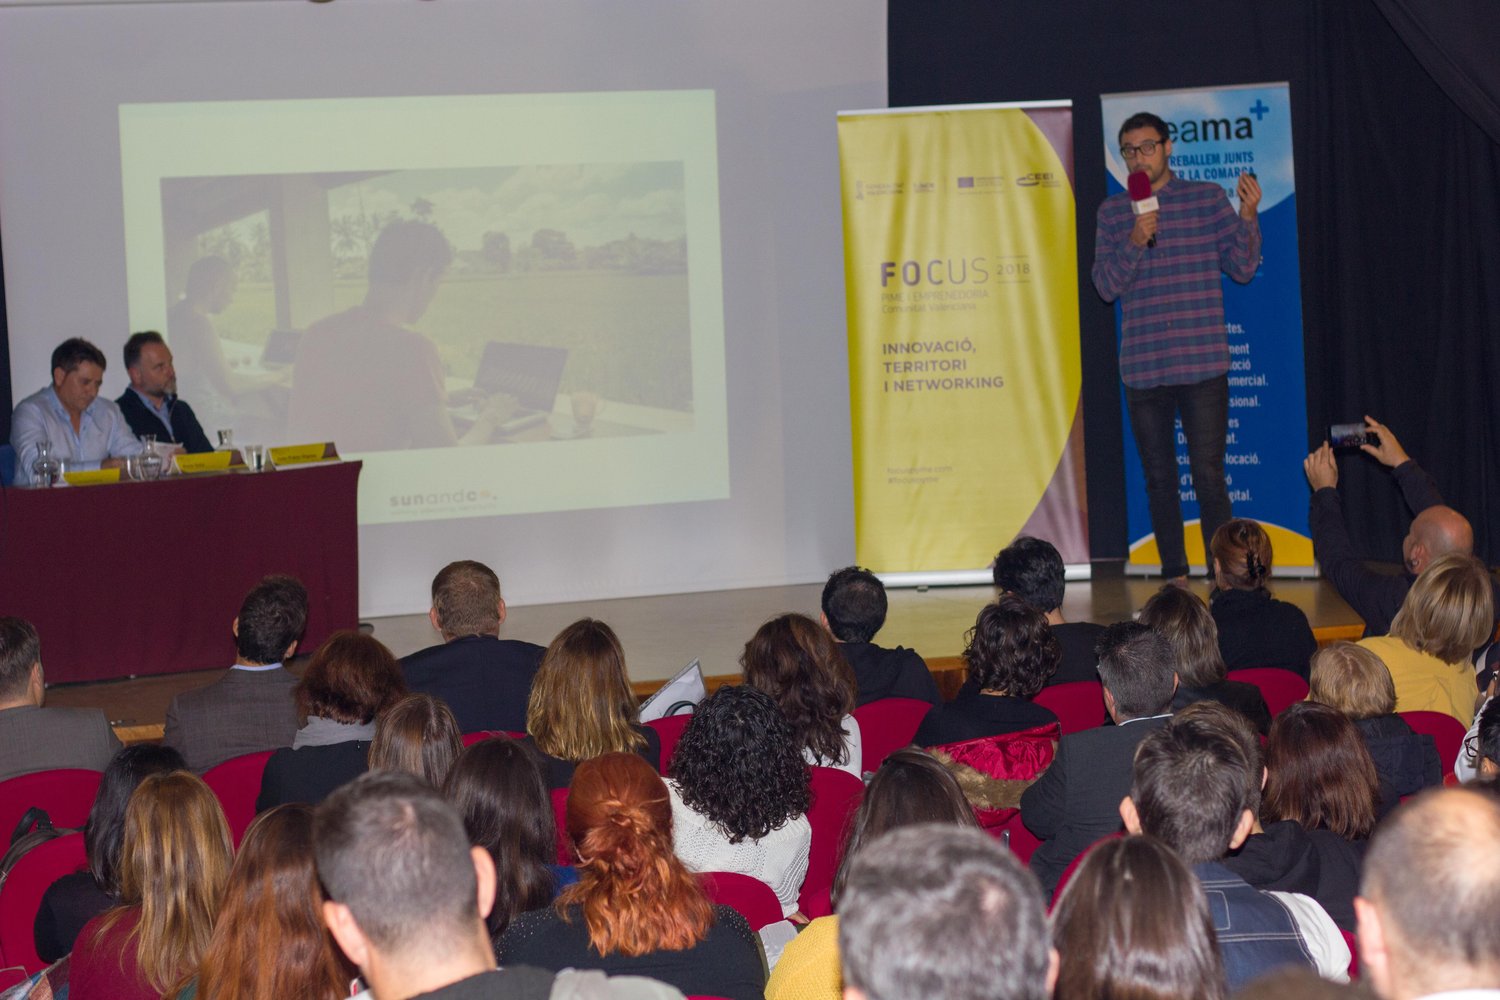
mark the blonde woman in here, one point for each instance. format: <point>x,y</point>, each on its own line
<point>581,705</point>
<point>174,865</point>
<point>1448,613</point>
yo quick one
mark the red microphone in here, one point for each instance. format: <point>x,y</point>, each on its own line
<point>1141,198</point>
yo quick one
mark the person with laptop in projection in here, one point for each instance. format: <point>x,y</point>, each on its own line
<point>367,381</point>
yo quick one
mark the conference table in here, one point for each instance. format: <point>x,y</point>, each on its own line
<point>146,578</point>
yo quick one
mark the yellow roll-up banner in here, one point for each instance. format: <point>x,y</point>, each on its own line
<point>961,271</point>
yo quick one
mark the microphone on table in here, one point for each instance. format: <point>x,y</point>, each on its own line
<point>1141,198</point>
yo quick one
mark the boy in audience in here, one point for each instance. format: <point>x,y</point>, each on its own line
<point>1428,901</point>
<point>941,911</point>
<point>1076,801</point>
<point>1191,791</point>
<point>1032,569</point>
<point>251,708</point>
<point>33,738</point>
<point>854,606</point>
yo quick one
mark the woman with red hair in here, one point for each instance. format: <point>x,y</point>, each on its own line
<point>636,910</point>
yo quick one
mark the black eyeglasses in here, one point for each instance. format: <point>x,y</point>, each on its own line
<point>1147,148</point>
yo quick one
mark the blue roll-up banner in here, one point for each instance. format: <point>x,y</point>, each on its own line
<point>1218,133</point>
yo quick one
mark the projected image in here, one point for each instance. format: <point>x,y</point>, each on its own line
<point>425,308</point>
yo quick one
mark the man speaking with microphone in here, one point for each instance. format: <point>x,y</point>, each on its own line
<point>1159,248</point>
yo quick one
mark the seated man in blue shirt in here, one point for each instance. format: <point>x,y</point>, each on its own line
<point>151,405</point>
<point>85,431</point>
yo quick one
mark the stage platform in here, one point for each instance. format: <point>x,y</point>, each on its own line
<point>662,634</point>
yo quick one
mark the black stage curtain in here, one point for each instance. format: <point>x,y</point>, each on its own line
<point>1396,181</point>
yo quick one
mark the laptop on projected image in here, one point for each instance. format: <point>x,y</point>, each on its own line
<point>529,372</point>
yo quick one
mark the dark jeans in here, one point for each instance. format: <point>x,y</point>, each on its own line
<point>1204,408</point>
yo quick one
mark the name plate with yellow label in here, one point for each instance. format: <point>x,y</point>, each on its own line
<point>304,454</point>
<point>211,461</point>
<point>92,477</point>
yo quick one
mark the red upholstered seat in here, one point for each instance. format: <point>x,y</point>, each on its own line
<point>469,739</point>
<point>669,729</point>
<point>886,726</point>
<point>755,900</point>
<point>236,783</point>
<point>1446,731</point>
<point>1280,688</point>
<point>1078,705</point>
<point>66,793</point>
<point>21,896</point>
<point>835,796</point>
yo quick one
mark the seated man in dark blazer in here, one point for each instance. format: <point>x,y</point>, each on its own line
<point>151,405</point>
<point>33,738</point>
<point>854,606</point>
<point>251,708</point>
<point>1076,801</point>
<point>486,680</point>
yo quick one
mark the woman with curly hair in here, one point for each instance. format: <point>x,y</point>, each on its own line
<point>270,940</point>
<point>1010,654</point>
<point>1320,775</point>
<point>1134,922</point>
<point>1255,629</point>
<point>797,662</point>
<point>417,735</point>
<point>497,786</point>
<point>173,866</point>
<point>352,679</point>
<point>1184,619</point>
<point>740,789</point>
<point>582,706</point>
<point>636,909</point>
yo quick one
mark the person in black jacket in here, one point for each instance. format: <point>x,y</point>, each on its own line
<point>1032,569</point>
<point>1255,629</point>
<point>151,405</point>
<point>854,607</point>
<point>1185,620</point>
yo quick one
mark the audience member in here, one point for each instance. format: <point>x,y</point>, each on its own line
<point>1255,629</point>
<point>1190,789</point>
<point>740,791</point>
<point>1297,983</point>
<point>854,607</point>
<point>924,912</point>
<point>1134,922</point>
<point>1032,569</point>
<point>34,738</point>
<point>251,708</point>
<point>1481,752</point>
<point>1428,899</point>
<point>173,867</point>
<point>1435,530</point>
<point>1010,653</point>
<point>1187,624</point>
<point>1319,774</point>
<point>1076,800</point>
<point>151,405</point>
<point>407,895</point>
<point>911,787</point>
<point>800,666</point>
<point>1446,614</point>
<point>582,706</point>
<point>74,900</point>
<point>270,941</point>
<point>636,908</point>
<point>352,679</point>
<point>1352,680</point>
<point>486,680</point>
<point>417,735</point>
<point>496,785</point>
<point>84,431</point>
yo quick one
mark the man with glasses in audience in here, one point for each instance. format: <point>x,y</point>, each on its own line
<point>1163,266</point>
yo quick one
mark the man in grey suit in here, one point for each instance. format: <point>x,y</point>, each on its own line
<point>250,708</point>
<point>1076,801</point>
<point>33,738</point>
